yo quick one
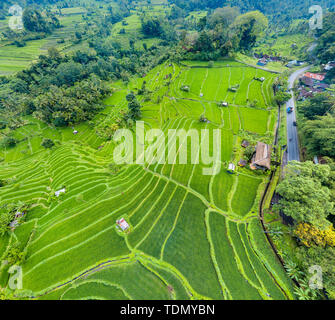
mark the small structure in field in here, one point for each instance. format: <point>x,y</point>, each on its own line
<point>13,224</point>
<point>242,163</point>
<point>262,158</point>
<point>185,88</point>
<point>19,214</point>
<point>201,95</point>
<point>234,88</point>
<point>224,104</point>
<point>245,144</point>
<point>261,79</point>
<point>262,62</point>
<point>122,223</point>
<point>231,168</point>
<point>59,192</point>
<point>75,132</point>
<point>203,119</point>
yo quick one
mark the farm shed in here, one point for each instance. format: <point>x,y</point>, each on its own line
<point>59,192</point>
<point>224,104</point>
<point>231,168</point>
<point>123,224</point>
<point>262,159</point>
<point>242,163</point>
<point>245,144</point>
<point>14,224</point>
<point>19,214</point>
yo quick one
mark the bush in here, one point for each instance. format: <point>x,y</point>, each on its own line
<point>47,143</point>
<point>8,142</point>
<point>249,152</point>
<point>20,43</point>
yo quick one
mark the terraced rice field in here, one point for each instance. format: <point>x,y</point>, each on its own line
<point>192,236</point>
<point>14,59</point>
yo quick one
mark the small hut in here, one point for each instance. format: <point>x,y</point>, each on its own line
<point>262,158</point>
<point>242,163</point>
<point>59,192</point>
<point>231,168</point>
<point>245,144</point>
<point>122,223</point>
<point>185,88</point>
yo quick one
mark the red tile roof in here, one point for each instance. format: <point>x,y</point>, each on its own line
<point>314,76</point>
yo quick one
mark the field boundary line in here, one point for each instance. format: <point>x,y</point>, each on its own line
<point>225,291</point>
<point>158,218</point>
<point>173,226</point>
<point>239,262</point>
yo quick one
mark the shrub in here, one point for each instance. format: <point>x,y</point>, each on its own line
<point>8,142</point>
<point>47,143</point>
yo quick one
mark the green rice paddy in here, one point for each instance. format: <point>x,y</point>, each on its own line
<point>192,237</point>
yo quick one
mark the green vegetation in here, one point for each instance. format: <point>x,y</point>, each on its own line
<point>318,117</point>
<point>167,205</point>
<point>306,184</point>
<point>82,69</point>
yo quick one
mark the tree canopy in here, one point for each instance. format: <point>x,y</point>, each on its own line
<point>305,195</point>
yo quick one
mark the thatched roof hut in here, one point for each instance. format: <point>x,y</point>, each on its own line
<point>262,158</point>
<point>242,163</point>
<point>245,144</point>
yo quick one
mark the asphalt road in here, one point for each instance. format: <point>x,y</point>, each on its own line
<point>293,152</point>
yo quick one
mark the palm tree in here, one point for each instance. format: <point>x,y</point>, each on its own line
<point>302,293</point>
<point>293,271</point>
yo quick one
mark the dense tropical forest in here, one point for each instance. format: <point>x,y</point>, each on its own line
<point>78,71</point>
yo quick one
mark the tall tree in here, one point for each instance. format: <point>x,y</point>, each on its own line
<point>305,196</point>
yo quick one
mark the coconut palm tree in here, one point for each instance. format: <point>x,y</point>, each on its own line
<point>303,293</point>
<point>293,271</point>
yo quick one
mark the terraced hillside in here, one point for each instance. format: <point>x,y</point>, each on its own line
<point>192,235</point>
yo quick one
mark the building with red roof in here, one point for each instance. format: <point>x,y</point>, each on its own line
<point>314,76</point>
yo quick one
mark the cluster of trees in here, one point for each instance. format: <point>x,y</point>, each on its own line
<point>35,21</point>
<point>67,106</point>
<point>57,89</point>
<point>326,39</point>
<point>37,25</point>
<point>307,193</point>
<point>134,107</point>
<point>281,13</point>
<point>318,125</point>
<point>280,86</point>
<point>308,196</point>
<point>223,32</point>
<point>7,215</point>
